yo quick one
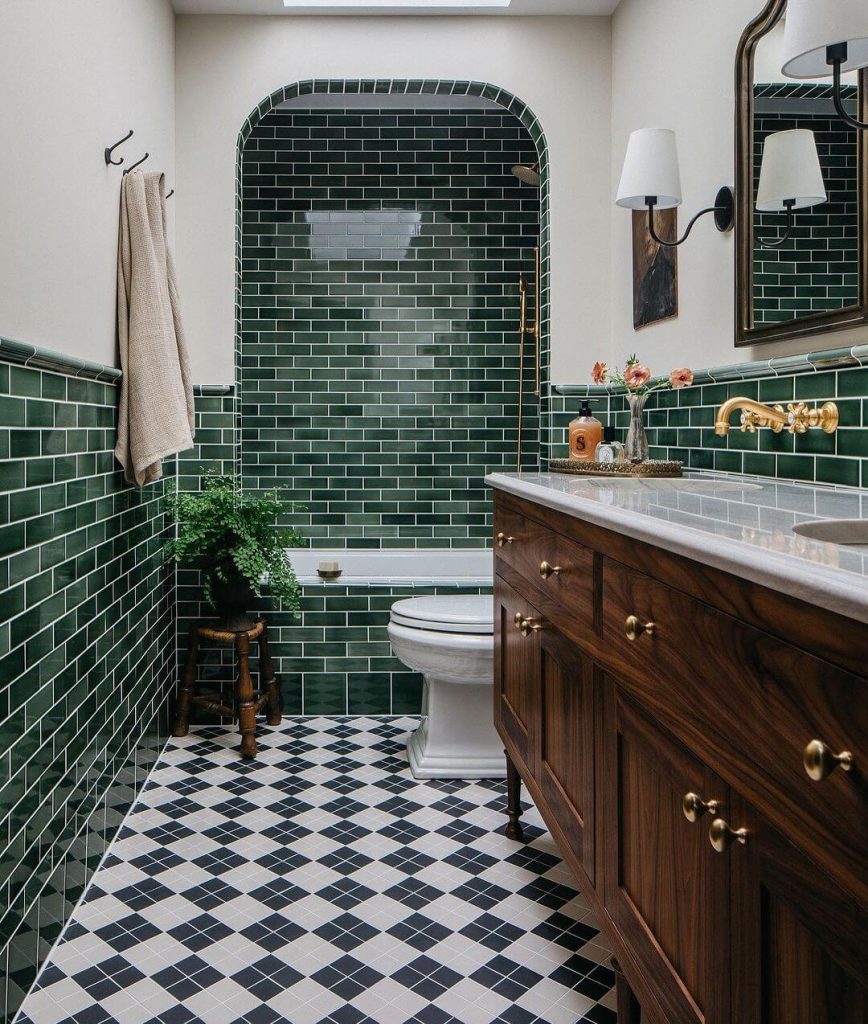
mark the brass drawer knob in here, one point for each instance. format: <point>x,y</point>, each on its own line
<point>820,760</point>
<point>503,539</point>
<point>722,836</point>
<point>633,628</point>
<point>694,806</point>
<point>518,619</point>
<point>528,626</point>
<point>546,570</point>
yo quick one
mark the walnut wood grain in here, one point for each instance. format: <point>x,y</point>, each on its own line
<point>569,594</point>
<point>517,705</point>
<point>823,633</point>
<point>800,949</point>
<point>720,700</point>
<point>750,704</point>
<point>566,741</point>
<point>664,887</point>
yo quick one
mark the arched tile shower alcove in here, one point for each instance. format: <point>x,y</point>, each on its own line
<point>378,261</point>
<point>380,239</point>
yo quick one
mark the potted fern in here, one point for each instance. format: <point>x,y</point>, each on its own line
<point>232,538</point>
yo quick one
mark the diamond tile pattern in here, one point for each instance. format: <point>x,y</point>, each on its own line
<point>387,905</point>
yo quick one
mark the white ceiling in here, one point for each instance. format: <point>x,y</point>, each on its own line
<point>517,7</point>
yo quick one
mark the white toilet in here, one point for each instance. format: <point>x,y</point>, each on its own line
<point>450,640</point>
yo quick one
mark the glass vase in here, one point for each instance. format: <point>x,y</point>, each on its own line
<point>637,440</point>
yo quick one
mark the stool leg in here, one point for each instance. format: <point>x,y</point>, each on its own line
<point>187,687</point>
<point>268,679</point>
<point>246,703</point>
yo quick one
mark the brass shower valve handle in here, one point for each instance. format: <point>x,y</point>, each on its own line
<point>797,418</point>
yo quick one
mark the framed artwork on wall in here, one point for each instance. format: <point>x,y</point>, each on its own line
<point>655,269</point>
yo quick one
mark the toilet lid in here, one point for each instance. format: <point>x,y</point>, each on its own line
<point>462,613</point>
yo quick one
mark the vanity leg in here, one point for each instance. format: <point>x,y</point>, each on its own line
<point>513,801</point>
<point>629,1010</point>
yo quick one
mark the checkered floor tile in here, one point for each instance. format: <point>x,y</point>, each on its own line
<point>321,884</point>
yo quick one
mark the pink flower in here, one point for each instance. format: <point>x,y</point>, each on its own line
<point>599,373</point>
<point>635,375</point>
<point>681,377</point>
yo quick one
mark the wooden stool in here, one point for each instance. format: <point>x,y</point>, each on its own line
<point>249,703</point>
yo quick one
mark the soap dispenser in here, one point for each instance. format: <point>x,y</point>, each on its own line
<point>586,433</point>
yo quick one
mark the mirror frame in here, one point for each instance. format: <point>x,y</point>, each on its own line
<point>815,323</point>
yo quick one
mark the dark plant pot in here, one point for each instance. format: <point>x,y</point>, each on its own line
<point>232,599</point>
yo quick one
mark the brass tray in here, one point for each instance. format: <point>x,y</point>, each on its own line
<point>652,468</point>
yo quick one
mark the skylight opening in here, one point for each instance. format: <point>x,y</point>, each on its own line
<point>417,4</point>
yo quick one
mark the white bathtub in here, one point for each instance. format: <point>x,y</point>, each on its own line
<point>397,566</point>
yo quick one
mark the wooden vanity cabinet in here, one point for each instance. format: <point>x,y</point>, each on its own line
<point>664,888</point>
<point>545,695</point>
<point>751,907</point>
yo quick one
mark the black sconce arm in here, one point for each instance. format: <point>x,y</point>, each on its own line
<point>774,243</point>
<point>837,56</point>
<point>723,210</point>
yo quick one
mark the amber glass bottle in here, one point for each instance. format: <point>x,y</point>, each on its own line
<point>585,434</point>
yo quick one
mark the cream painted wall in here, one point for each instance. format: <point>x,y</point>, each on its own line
<point>75,76</point>
<point>559,66</point>
<point>673,64</point>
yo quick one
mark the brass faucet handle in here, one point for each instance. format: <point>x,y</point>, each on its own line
<point>749,421</point>
<point>801,419</point>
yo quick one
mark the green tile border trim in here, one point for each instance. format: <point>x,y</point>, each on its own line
<point>782,366</point>
<point>45,359</point>
<point>22,354</point>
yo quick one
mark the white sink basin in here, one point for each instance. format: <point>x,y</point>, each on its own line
<point>835,531</point>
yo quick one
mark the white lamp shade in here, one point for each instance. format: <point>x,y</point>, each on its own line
<point>812,25</point>
<point>650,169</point>
<point>790,171</point>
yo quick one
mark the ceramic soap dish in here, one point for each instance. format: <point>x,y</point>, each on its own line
<point>651,468</point>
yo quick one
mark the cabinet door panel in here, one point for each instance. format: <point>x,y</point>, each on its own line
<point>566,755</point>
<point>664,888</point>
<point>800,944</point>
<point>516,672</point>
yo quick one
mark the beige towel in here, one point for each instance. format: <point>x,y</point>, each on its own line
<point>155,418</point>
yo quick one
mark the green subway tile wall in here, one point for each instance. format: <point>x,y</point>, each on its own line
<point>381,251</point>
<point>86,652</point>
<point>335,659</point>
<point>680,424</point>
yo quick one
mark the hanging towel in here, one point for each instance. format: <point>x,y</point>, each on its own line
<point>155,418</point>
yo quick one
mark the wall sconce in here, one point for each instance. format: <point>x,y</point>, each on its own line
<point>819,34</point>
<point>790,178</point>
<point>650,179</point>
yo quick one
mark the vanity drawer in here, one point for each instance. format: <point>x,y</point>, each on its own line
<point>719,684</point>
<point>559,571</point>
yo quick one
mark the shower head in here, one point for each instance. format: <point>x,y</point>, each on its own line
<point>528,174</point>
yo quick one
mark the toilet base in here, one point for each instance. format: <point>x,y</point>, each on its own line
<point>457,738</point>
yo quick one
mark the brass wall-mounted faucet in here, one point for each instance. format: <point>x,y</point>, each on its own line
<point>797,418</point>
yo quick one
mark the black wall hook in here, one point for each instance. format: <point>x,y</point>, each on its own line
<point>110,149</point>
<point>170,194</point>
<point>136,164</point>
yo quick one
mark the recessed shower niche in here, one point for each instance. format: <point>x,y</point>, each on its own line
<point>384,239</point>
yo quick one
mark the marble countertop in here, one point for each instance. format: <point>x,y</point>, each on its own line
<point>740,524</point>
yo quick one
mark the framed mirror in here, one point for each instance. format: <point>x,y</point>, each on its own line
<point>817,280</point>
